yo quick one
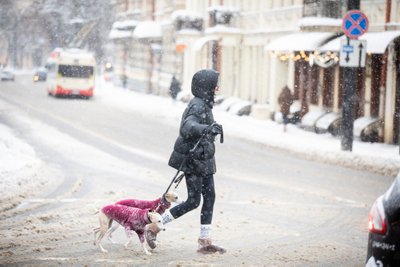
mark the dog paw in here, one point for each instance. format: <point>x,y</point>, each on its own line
<point>104,250</point>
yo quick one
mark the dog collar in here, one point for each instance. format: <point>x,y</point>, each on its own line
<point>146,217</point>
<point>164,202</point>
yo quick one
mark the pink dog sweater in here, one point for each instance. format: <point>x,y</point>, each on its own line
<point>131,218</point>
<point>159,204</point>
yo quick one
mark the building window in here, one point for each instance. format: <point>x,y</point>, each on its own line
<point>324,8</point>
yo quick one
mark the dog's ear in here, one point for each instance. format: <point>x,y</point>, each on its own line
<point>152,211</point>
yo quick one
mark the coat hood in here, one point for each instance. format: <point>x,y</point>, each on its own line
<point>203,85</point>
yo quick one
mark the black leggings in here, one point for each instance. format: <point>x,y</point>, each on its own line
<point>198,186</point>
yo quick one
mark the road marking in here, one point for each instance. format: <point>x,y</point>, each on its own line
<point>137,151</point>
<point>346,202</point>
<point>64,200</point>
<point>350,202</point>
<point>56,259</point>
<point>47,200</point>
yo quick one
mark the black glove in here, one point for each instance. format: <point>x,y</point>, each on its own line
<point>215,129</point>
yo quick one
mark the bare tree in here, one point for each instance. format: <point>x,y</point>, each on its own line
<point>35,28</point>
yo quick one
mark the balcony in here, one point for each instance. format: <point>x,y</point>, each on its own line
<point>322,15</point>
<point>222,15</point>
<point>186,20</point>
<point>324,8</point>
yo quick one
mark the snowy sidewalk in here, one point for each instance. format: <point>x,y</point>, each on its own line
<point>374,157</point>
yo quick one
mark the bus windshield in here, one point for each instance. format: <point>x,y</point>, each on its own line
<point>75,71</point>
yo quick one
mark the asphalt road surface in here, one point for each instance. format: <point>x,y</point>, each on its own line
<point>271,208</point>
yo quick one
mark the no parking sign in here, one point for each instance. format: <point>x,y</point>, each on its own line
<point>354,24</point>
<point>353,51</point>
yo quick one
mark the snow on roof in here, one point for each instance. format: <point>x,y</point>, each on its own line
<point>130,13</point>
<point>76,52</point>
<point>376,42</point>
<point>188,32</point>
<point>147,29</point>
<point>313,21</point>
<point>301,41</point>
<point>185,14</point>
<point>222,29</point>
<point>117,34</point>
<point>333,45</point>
<point>125,24</point>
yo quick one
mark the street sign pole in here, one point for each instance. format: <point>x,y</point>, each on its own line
<point>350,82</point>
<point>354,25</point>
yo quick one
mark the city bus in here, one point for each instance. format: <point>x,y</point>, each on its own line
<point>71,72</point>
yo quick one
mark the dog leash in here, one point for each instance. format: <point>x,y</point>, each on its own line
<point>177,179</point>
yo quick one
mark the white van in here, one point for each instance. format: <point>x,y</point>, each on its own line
<point>71,73</point>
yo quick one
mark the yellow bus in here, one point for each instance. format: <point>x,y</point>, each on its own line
<point>71,72</point>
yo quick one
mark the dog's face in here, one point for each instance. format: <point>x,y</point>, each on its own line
<point>173,197</point>
<point>156,219</point>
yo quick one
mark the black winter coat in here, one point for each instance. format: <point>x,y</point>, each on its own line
<point>195,119</point>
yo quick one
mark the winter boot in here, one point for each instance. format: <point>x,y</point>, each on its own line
<point>150,234</point>
<point>151,231</point>
<point>207,247</point>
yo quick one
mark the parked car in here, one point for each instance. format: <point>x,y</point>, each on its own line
<point>384,228</point>
<point>40,75</point>
<point>7,75</point>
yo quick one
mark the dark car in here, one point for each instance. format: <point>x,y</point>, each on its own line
<point>384,228</point>
<point>40,75</point>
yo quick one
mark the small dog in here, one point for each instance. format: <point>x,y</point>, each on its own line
<point>132,219</point>
<point>159,205</point>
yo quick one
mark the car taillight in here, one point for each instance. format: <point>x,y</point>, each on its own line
<point>377,223</point>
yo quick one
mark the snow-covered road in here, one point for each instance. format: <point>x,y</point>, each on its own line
<point>18,158</point>
<point>334,203</point>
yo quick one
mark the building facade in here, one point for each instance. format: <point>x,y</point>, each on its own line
<point>259,47</point>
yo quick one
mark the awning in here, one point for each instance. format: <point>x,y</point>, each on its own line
<point>302,41</point>
<point>377,42</point>
<point>117,34</point>
<point>125,25</point>
<point>148,30</point>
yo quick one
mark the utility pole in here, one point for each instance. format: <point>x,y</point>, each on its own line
<point>350,80</point>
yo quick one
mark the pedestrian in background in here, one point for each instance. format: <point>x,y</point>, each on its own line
<point>285,100</point>
<point>174,88</point>
<point>199,166</point>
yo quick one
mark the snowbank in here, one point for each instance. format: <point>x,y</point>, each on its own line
<point>18,167</point>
